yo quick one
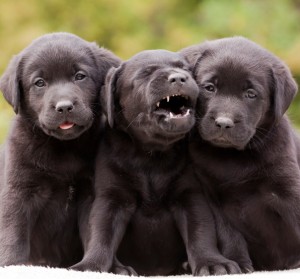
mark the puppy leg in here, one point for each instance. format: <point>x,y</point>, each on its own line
<point>119,268</point>
<point>108,221</point>
<point>84,210</point>
<point>84,213</point>
<point>15,229</point>
<point>231,242</point>
<point>196,224</point>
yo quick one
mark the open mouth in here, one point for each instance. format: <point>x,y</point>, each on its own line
<point>66,125</point>
<point>66,130</point>
<point>174,106</point>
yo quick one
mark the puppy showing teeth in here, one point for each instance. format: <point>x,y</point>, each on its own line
<point>142,221</point>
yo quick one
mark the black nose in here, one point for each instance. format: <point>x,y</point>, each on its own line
<point>64,106</point>
<point>178,78</point>
<point>224,122</point>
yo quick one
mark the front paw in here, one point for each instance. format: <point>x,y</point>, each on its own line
<point>246,268</point>
<point>217,268</point>
<point>87,266</point>
<point>123,270</point>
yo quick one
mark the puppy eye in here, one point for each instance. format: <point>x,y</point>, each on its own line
<point>147,72</point>
<point>150,70</point>
<point>80,76</point>
<point>209,87</point>
<point>250,94</point>
<point>40,83</point>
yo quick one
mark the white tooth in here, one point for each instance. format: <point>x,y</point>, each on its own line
<point>187,112</point>
<point>168,99</point>
<point>157,104</point>
<point>171,115</point>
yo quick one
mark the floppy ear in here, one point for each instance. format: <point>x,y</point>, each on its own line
<point>10,84</point>
<point>109,58</point>
<point>284,89</point>
<point>193,54</point>
<point>109,94</point>
<point>105,59</point>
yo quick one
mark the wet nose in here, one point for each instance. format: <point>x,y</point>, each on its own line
<point>178,78</point>
<point>224,122</point>
<point>64,106</point>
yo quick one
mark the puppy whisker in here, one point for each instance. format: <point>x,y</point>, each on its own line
<point>133,121</point>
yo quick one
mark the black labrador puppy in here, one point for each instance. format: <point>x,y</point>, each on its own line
<point>141,222</point>
<point>247,154</point>
<point>47,161</point>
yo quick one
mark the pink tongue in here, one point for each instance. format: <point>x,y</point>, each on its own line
<point>66,126</point>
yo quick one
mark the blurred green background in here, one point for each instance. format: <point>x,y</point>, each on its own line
<point>129,26</point>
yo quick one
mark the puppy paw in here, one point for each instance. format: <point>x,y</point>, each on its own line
<point>246,268</point>
<point>123,270</point>
<point>186,267</point>
<point>229,267</point>
<point>87,266</point>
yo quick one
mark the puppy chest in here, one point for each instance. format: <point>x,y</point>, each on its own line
<point>152,242</point>
<point>54,198</point>
<point>155,208</point>
<point>56,192</point>
<point>66,167</point>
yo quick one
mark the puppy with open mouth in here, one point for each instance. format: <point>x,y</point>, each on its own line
<point>47,161</point>
<point>141,222</point>
<point>246,154</point>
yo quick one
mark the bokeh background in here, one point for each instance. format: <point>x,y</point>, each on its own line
<point>129,26</point>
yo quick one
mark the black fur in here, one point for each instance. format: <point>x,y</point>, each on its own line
<point>144,220</point>
<point>47,161</point>
<point>247,155</point>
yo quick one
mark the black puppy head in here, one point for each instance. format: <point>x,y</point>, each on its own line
<point>152,96</point>
<point>55,83</point>
<point>243,88</point>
